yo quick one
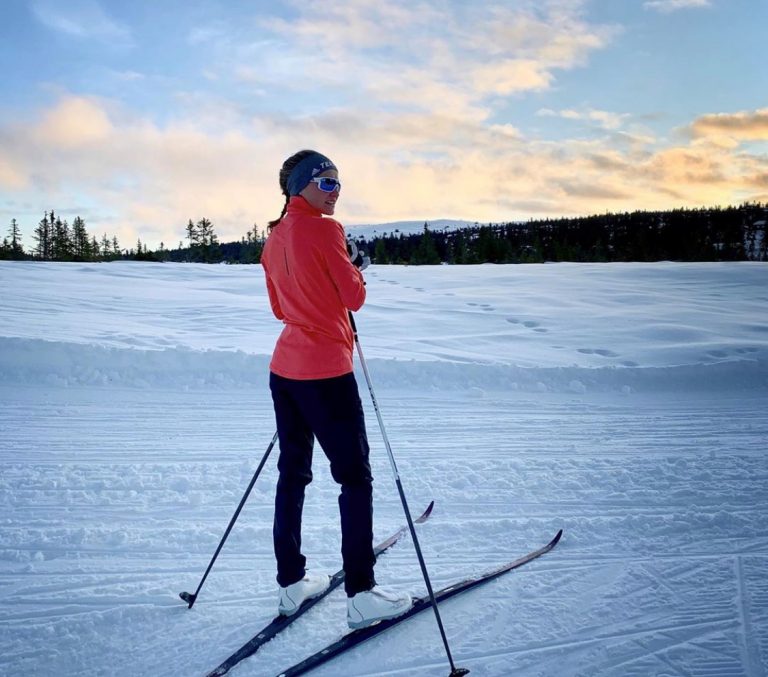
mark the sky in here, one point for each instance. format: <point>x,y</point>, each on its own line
<point>139,116</point>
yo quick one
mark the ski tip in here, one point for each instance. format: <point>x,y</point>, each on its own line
<point>426,513</point>
<point>556,539</point>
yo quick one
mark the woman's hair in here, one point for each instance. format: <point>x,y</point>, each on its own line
<point>285,172</point>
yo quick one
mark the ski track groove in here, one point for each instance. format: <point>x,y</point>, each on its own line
<point>680,494</point>
<point>543,647</point>
<point>750,654</point>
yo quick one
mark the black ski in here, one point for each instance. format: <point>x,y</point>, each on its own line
<point>279,623</point>
<point>356,637</point>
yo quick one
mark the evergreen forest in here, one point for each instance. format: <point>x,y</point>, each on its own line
<point>735,233</point>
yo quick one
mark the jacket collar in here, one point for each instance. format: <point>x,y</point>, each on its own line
<point>299,204</point>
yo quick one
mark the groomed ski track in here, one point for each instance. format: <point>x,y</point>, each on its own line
<point>662,567</point>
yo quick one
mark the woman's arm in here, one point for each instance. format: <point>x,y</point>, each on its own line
<point>346,277</point>
<point>273,301</point>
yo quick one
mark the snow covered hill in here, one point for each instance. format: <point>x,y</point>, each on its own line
<point>406,227</point>
<point>624,403</point>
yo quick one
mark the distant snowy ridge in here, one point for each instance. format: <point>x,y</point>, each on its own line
<point>40,362</point>
<point>369,231</point>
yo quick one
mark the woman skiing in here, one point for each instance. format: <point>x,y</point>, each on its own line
<point>312,284</point>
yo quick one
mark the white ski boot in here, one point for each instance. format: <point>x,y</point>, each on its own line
<point>377,604</point>
<point>294,595</point>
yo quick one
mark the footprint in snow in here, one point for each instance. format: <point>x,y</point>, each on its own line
<point>598,351</point>
<point>528,324</point>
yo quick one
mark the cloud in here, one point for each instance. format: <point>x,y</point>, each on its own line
<point>743,125</point>
<point>127,75</point>
<point>690,166</point>
<point>208,34</point>
<point>75,122</point>
<point>511,75</point>
<point>147,180</point>
<point>667,6</point>
<point>83,19</point>
<point>10,175</point>
<point>554,34</point>
<point>143,178</point>
<point>364,24</point>
<point>575,188</point>
<point>420,55</point>
<point>605,119</point>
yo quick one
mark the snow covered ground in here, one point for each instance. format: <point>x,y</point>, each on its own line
<point>624,403</point>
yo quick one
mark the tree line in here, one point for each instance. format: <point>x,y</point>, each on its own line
<point>56,240</point>
<point>707,234</point>
<point>735,233</point>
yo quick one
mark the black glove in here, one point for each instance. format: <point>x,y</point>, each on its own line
<point>357,256</point>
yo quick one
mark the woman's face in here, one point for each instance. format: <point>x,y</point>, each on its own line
<point>325,202</point>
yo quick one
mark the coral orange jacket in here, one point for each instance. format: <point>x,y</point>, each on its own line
<point>311,284</point>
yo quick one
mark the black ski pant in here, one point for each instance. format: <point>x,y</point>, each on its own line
<point>329,410</point>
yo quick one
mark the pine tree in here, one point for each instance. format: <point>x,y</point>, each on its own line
<point>106,247</point>
<point>380,254</point>
<point>204,232</point>
<point>80,242</point>
<point>204,240</point>
<point>426,252</point>
<point>253,243</point>
<point>192,234</point>
<point>16,251</point>
<point>62,242</point>
<point>43,236</point>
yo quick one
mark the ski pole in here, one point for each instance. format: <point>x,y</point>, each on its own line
<point>455,672</point>
<point>190,598</point>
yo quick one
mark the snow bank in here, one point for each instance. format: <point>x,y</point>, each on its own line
<point>542,316</point>
<point>40,362</point>
<point>565,328</point>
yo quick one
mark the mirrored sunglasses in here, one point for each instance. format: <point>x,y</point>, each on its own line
<point>327,183</point>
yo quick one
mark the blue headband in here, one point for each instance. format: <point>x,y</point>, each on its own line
<point>306,170</point>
